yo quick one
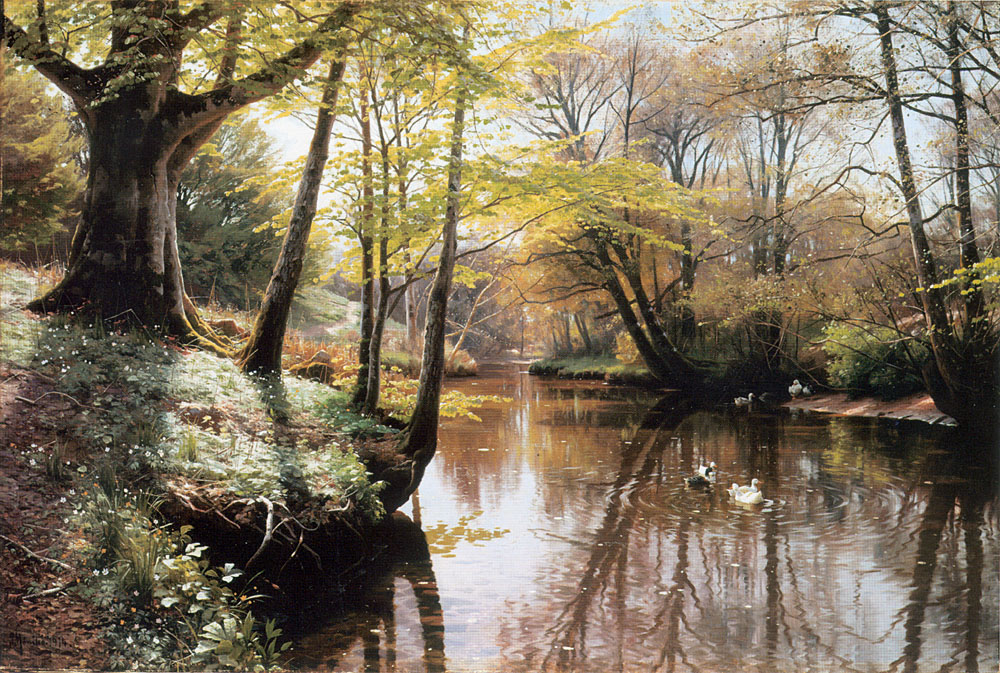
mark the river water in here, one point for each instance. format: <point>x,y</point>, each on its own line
<point>557,534</point>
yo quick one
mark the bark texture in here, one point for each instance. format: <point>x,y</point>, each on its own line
<point>262,353</point>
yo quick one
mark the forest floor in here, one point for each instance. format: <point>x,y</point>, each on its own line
<point>41,626</point>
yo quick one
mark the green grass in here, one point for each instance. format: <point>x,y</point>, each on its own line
<point>597,367</point>
<point>583,366</point>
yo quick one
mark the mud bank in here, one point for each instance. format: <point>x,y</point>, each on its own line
<point>916,407</point>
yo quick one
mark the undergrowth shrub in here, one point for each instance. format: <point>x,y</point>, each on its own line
<point>874,360</point>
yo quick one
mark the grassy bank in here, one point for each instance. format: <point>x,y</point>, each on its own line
<point>123,438</point>
<point>593,367</point>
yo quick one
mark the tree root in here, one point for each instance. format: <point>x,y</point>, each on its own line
<point>268,530</point>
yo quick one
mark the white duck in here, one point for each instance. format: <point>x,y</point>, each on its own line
<point>795,389</point>
<point>747,495</point>
<point>806,391</point>
<point>705,476</point>
<point>744,401</point>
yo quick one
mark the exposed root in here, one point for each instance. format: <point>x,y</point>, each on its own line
<point>268,530</point>
<point>199,325</point>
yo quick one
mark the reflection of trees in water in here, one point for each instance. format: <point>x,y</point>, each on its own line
<point>952,496</point>
<point>329,646</point>
<point>639,460</point>
<point>813,608</point>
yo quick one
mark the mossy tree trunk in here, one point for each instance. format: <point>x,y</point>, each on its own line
<point>262,353</point>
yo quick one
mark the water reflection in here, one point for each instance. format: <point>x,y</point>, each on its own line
<point>563,538</point>
<point>367,638</point>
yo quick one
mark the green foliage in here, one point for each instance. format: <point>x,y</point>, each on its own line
<point>41,182</point>
<point>876,360</point>
<point>315,305</point>
<point>582,367</point>
<point>224,195</point>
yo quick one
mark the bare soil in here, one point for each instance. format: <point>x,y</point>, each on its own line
<point>43,623</point>
<point>916,407</point>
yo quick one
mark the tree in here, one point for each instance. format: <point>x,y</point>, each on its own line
<point>262,352</point>
<point>147,111</point>
<point>41,183</point>
<point>917,69</point>
<point>611,243</point>
<point>419,442</point>
<point>224,197</point>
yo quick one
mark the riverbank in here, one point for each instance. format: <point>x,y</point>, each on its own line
<point>916,407</point>
<point>594,368</point>
<point>137,480</point>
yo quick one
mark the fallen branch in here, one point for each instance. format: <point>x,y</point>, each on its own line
<point>51,392</point>
<point>53,590</point>
<point>34,555</point>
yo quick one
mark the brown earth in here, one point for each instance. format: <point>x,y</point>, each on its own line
<point>43,623</point>
<point>916,407</point>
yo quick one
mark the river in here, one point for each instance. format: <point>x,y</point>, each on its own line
<point>557,534</point>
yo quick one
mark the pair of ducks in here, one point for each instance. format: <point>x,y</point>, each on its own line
<point>747,495</point>
<point>799,390</point>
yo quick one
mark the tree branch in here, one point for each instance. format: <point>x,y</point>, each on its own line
<point>79,84</point>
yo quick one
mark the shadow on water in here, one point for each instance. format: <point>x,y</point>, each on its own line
<point>370,621</point>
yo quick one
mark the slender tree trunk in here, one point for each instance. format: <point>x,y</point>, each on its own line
<point>974,305</point>
<point>564,322</point>
<point>469,322</point>
<point>262,354</point>
<point>378,331</point>
<point>367,271</point>
<point>412,340</point>
<point>581,327</point>
<point>421,434</point>
<point>963,384</point>
<point>923,259</point>
<point>384,287</point>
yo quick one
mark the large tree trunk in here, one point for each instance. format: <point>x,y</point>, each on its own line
<point>262,353</point>
<point>124,265</point>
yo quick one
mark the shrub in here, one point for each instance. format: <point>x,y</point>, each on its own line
<point>874,360</point>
